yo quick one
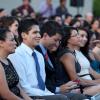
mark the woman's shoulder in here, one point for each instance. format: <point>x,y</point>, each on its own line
<point>64,51</point>
<point>1,68</point>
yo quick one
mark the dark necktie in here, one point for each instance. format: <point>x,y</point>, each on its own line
<point>41,83</point>
<point>46,56</point>
<point>48,59</point>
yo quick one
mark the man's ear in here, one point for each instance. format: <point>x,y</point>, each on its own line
<point>1,43</point>
<point>23,34</point>
<point>45,35</point>
<point>68,41</point>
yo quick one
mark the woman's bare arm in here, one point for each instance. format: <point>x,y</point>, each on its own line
<point>5,93</point>
<point>23,94</point>
<point>94,73</point>
<point>68,61</point>
<point>96,53</point>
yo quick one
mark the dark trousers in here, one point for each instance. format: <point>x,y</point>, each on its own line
<point>75,96</point>
<point>66,96</point>
<point>51,97</point>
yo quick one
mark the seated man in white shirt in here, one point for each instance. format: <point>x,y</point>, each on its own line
<point>26,65</point>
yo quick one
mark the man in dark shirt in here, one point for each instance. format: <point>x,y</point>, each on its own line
<point>26,10</point>
<point>61,10</point>
<point>51,35</point>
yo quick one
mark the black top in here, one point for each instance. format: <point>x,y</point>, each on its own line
<point>62,75</point>
<point>61,11</point>
<point>21,9</point>
<point>11,77</point>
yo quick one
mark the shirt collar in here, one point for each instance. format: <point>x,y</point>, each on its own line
<point>44,50</point>
<point>27,48</point>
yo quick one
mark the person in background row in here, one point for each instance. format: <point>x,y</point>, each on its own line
<point>93,42</point>
<point>56,18</point>
<point>46,9</point>
<point>96,50</point>
<point>75,23</point>
<point>12,24</point>
<point>80,18</point>
<point>88,19</point>
<point>68,19</point>
<point>94,26</point>
<point>25,10</point>
<point>16,13</point>
<point>61,10</point>
<point>2,12</point>
<point>9,80</point>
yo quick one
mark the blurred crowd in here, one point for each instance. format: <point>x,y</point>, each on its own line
<point>49,55</point>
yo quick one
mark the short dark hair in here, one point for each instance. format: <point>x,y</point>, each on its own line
<point>1,9</point>
<point>51,28</point>
<point>25,26</point>
<point>61,1</point>
<point>68,15</point>
<point>78,15</point>
<point>74,21</point>
<point>3,33</point>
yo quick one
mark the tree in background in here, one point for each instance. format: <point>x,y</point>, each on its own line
<point>96,8</point>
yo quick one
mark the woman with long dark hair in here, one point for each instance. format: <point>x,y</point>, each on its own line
<point>71,64</point>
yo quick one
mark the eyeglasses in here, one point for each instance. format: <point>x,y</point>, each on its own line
<point>75,35</point>
<point>57,41</point>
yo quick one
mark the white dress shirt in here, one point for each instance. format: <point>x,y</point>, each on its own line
<point>24,64</point>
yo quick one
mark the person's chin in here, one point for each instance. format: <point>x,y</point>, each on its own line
<point>36,43</point>
<point>81,45</point>
<point>38,40</point>
<point>12,52</point>
<point>53,49</point>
